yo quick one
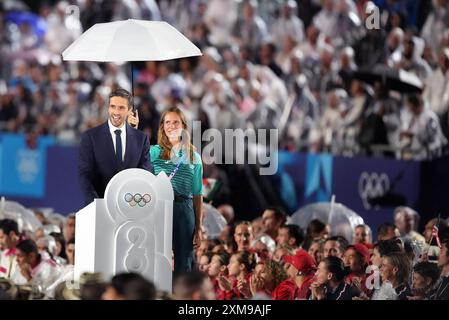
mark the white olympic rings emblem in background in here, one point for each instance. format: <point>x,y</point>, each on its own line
<point>372,185</point>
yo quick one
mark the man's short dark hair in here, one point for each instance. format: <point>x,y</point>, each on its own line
<point>27,246</point>
<point>133,286</point>
<point>427,269</point>
<point>120,92</point>
<point>341,240</point>
<point>296,232</point>
<point>8,226</point>
<point>279,213</point>
<point>387,246</point>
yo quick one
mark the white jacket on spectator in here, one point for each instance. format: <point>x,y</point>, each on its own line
<point>428,139</point>
<point>8,263</point>
<point>43,275</point>
<point>436,92</point>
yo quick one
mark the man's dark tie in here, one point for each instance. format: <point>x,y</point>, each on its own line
<point>118,149</point>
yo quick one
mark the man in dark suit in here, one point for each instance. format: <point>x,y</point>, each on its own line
<point>111,147</point>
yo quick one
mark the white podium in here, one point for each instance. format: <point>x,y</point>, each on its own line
<point>130,230</point>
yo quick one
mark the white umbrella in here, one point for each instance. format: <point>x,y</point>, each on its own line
<point>341,219</point>
<point>130,40</point>
<point>24,217</point>
<point>213,221</point>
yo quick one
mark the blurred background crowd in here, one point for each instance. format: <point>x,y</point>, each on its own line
<point>332,76</point>
<point>298,66</point>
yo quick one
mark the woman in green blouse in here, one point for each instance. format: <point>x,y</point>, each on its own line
<point>176,156</point>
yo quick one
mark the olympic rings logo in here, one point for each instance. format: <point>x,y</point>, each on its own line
<point>137,199</point>
<point>371,186</point>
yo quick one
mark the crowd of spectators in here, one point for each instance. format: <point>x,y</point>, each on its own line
<point>290,65</point>
<point>267,258</point>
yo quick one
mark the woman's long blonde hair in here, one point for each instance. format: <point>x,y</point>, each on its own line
<point>165,143</point>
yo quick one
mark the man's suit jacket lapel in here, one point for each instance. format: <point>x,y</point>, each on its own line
<point>130,147</point>
<point>110,152</point>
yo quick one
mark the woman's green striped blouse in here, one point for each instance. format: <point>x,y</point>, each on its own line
<point>188,180</point>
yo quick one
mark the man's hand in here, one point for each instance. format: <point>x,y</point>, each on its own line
<point>133,120</point>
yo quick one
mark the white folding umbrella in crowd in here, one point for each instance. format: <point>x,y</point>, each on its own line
<point>341,219</point>
<point>130,40</point>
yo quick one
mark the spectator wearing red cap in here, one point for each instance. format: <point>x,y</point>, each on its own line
<point>357,258</point>
<point>329,283</point>
<point>300,269</point>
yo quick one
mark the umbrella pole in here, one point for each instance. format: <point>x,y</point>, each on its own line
<point>132,82</point>
<point>331,211</point>
<point>132,93</point>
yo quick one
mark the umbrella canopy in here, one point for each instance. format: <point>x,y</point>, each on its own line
<point>213,221</point>
<point>341,219</point>
<point>25,218</point>
<point>130,40</point>
<point>392,79</point>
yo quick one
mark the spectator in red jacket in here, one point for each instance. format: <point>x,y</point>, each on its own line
<point>300,269</point>
<point>266,277</point>
<point>240,267</point>
<point>218,266</point>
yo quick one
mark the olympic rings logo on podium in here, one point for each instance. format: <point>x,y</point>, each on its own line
<point>137,199</point>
